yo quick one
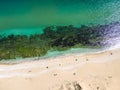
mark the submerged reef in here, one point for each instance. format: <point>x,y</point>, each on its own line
<point>57,38</point>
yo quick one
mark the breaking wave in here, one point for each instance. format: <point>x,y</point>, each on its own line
<point>112,36</point>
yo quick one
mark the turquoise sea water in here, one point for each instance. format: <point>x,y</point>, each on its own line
<point>28,17</point>
<point>26,31</point>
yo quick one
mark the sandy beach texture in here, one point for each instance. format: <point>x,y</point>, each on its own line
<point>95,71</point>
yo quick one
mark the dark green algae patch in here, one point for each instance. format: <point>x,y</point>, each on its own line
<point>53,38</point>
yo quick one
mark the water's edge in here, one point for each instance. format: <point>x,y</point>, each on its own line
<point>54,54</point>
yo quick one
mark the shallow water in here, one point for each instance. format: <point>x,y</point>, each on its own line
<point>54,54</point>
<point>17,20</point>
<point>71,51</point>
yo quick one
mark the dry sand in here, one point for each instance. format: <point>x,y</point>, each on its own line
<point>95,71</point>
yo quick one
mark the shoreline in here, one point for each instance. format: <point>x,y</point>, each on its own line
<point>48,56</point>
<point>92,71</point>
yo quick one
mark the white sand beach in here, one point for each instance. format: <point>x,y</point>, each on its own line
<point>94,71</point>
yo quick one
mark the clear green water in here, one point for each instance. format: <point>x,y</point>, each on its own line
<point>26,31</point>
<point>27,16</point>
<point>31,16</point>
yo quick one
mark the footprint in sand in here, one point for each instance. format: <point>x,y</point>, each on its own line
<point>76,59</point>
<point>70,86</point>
<point>47,67</point>
<point>74,73</point>
<point>111,53</point>
<point>67,85</point>
<point>55,74</point>
<point>86,59</point>
<point>29,71</point>
<point>59,64</point>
